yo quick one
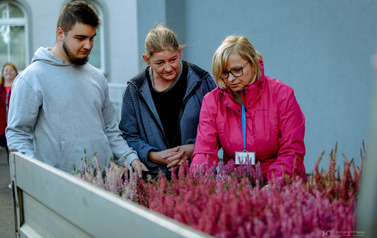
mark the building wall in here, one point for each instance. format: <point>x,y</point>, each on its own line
<point>320,48</point>
<point>123,39</point>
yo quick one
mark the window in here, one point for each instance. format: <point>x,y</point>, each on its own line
<point>97,55</point>
<point>13,41</point>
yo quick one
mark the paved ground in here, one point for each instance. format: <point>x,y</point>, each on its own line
<point>6,208</point>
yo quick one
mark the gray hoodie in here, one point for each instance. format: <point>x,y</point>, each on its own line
<point>58,110</point>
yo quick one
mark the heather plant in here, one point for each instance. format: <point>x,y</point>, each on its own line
<point>232,201</point>
<point>331,183</point>
<point>117,179</point>
<point>231,207</point>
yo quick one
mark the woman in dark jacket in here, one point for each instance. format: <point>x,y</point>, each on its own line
<point>161,105</point>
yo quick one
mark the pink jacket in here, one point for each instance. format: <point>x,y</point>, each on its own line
<point>4,99</point>
<point>275,127</point>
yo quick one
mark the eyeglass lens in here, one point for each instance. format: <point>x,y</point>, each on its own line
<point>236,72</point>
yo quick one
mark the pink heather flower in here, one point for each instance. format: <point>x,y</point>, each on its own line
<point>231,201</point>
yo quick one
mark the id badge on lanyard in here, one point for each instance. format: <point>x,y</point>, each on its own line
<point>244,157</point>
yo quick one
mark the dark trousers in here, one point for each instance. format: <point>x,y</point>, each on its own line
<point>3,143</point>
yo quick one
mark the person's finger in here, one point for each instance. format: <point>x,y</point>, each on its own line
<point>177,156</point>
<point>131,170</point>
<point>138,169</point>
<point>170,154</point>
<point>136,166</point>
<point>178,161</point>
<point>172,164</point>
<point>171,150</point>
<point>143,167</point>
<point>182,161</point>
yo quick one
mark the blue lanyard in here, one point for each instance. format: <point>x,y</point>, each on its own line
<point>243,123</point>
<point>244,127</point>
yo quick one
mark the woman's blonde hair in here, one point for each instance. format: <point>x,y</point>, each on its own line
<point>160,38</point>
<point>235,45</point>
<point>2,71</point>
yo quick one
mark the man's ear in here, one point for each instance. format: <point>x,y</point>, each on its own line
<point>146,59</point>
<point>59,33</point>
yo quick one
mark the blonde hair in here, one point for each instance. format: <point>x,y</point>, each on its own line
<point>160,38</point>
<point>235,45</point>
<point>2,71</point>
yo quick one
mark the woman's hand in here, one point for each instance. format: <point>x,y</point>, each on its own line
<point>173,157</point>
<point>186,151</point>
<point>161,157</point>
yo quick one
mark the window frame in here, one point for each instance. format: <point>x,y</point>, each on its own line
<point>25,22</point>
<point>102,40</point>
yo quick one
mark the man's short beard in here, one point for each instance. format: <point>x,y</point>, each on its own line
<point>74,60</point>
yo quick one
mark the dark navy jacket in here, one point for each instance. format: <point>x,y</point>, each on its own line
<point>140,123</point>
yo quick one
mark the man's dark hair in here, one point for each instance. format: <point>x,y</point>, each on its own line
<point>77,11</point>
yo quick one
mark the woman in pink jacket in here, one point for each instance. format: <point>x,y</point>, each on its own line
<point>254,118</point>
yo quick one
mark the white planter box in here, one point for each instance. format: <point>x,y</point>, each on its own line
<point>52,203</point>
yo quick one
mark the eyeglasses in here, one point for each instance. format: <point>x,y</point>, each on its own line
<point>236,72</point>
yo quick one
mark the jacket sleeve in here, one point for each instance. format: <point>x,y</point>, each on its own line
<point>118,145</point>
<point>291,140</point>
<point>206,145</point>
<point>22,116</point>
<point>129,126</point>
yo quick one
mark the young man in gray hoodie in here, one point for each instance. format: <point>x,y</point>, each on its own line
<point>60,104</point>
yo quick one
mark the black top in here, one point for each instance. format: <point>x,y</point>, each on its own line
<point>168,104</point>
